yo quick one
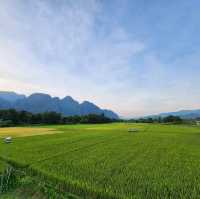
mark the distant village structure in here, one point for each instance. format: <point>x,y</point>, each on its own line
<point>8,140</point>
<point>198,122</point>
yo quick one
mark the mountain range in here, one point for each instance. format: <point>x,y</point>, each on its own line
<point>184,114</point>
<point>40,102</point>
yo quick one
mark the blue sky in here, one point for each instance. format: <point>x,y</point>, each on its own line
<point>136,57</point>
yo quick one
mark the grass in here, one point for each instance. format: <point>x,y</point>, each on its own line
<point>29,187</point>
<point>25,131</point>
<point>3,166</point>
<point>107,161</point>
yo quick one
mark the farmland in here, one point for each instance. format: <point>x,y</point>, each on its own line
<point>25,131</point>
<point>107,161</point>
<point>2,166</point>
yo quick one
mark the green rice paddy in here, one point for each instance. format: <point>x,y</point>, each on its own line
<point>107,161</point>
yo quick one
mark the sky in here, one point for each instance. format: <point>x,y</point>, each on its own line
<point>136,57</point>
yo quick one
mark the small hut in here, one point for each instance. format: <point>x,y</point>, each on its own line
<point>198,123</point>
<point>133,130</point>
<point>8,140</point>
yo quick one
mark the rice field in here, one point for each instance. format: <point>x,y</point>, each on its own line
<point>107,161</point>
<point>25,131</point>
<point>3,166</point>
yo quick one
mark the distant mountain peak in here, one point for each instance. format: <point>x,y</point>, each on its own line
<point>11,96</point>
<point>41,102</point>
<point>39,95</point>
<point>86,102</point>
<point>69,98</point>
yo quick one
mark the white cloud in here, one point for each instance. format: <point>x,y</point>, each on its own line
<point>58,45</point>
<point>72,48</point>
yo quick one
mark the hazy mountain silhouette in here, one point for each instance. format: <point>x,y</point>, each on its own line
<point>40,102</point>
<point>10,96</point>
<point>184,114</point>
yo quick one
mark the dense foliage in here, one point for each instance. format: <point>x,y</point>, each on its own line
<point>12,117</point>
<point>167,119</point>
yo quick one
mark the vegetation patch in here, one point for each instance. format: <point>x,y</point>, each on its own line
<point>25,131</point>
<point>3,166</point>
<point>15,183</point>
<point>8,179</point>
<point>107,161</point>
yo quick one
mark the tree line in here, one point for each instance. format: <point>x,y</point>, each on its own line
<point>167,119</point>
<point>12,117</point>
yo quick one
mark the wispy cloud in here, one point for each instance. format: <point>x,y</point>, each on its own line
<point>88,50</point>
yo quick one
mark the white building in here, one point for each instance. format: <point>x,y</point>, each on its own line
<point>198,123</point>
<point>8,140</point>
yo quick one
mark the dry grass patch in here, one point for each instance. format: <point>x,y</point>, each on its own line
<point>25,131</point>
